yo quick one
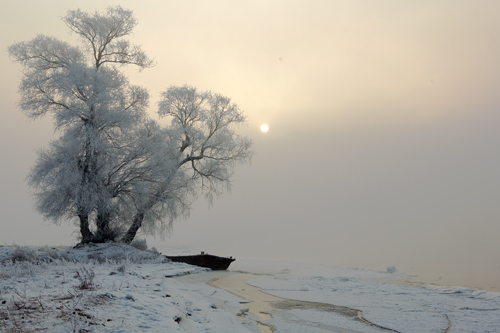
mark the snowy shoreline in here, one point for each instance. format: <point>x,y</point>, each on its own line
<point>117,288</point>
<point>108,288</point>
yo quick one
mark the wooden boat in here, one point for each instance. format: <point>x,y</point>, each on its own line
<point>204,260</point>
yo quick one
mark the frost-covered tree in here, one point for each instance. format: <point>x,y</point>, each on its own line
<point>92,104</point>
<point>201,151</point>
<point>113,169</point>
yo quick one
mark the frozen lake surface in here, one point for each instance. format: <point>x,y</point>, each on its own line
<point>386,299</point>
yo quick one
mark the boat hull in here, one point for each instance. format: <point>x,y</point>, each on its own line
<point>204,260</point>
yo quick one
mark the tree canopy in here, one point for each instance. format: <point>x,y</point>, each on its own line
<point>114,170</point>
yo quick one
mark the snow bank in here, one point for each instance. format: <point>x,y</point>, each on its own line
<point>107,288</point>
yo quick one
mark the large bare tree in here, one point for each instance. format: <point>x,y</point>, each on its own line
<point>114,170</point>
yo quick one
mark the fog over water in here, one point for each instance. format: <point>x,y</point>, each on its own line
<point>384,129</point>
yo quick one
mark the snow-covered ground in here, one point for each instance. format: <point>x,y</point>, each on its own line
<point>108,288</point>
<point>117,288</point>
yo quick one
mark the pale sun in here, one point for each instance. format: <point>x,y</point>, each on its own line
<point>264,128</point>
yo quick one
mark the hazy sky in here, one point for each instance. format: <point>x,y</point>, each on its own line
<point>384,121</point>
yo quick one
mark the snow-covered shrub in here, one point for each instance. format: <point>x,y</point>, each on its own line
<point>26,261</point>
<point>10,269</point>
<point>108,235</point>
<point>140,244</point>
<point>24,254</point>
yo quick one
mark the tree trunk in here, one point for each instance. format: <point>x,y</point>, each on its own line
<point>132,231</point>
<point>102,222</point>
<point>87,235</point>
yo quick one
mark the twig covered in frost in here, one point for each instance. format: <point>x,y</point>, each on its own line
<point>86,278</point>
